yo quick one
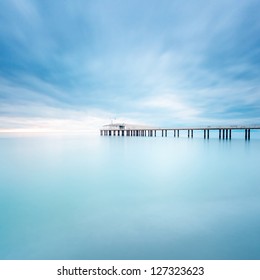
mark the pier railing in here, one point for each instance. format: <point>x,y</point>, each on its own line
<point>224,132</point>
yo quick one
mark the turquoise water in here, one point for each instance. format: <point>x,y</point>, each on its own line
<point>92,197</point>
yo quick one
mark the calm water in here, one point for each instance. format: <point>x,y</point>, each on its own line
<point>91,197</point>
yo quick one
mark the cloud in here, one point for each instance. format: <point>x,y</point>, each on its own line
<point>159,63</point>
<point>52,119</point>
<point>171,105</point>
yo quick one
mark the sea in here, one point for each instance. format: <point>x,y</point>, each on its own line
<point>73,196</point>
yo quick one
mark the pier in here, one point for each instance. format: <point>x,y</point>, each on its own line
<point>224,132</point>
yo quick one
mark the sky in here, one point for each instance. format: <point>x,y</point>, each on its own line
<point>77,65</point>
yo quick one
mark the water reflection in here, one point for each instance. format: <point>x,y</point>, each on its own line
<point>79,197</point>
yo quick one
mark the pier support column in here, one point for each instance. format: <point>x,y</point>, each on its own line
<point>109,133</point>
<point>226,133</point>
<point>230,134</point>
<point>165,133</point>
<point>223,133</point>
<point>162,132</point>
<point>208,134</point>
<point>219,133</point>
<point>188,133</point>
<point>192,133</point>
<point>178,133</point>
<point>101,132</point>
<point>174,133</point>
<point>204,133</point>
<point>247,134</point>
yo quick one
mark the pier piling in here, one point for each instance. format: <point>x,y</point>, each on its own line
<point>247,134</point>
<point>223,132</point>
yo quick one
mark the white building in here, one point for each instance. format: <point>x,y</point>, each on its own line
<point>115,126</point>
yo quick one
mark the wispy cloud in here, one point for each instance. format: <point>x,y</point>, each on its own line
<point>162,63</point>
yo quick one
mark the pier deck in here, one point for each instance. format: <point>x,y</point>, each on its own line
<point>225,132</point>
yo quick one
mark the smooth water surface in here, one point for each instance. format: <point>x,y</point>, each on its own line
<point>92,197</point>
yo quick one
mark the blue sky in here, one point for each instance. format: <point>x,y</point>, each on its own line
<point>78,64</point>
